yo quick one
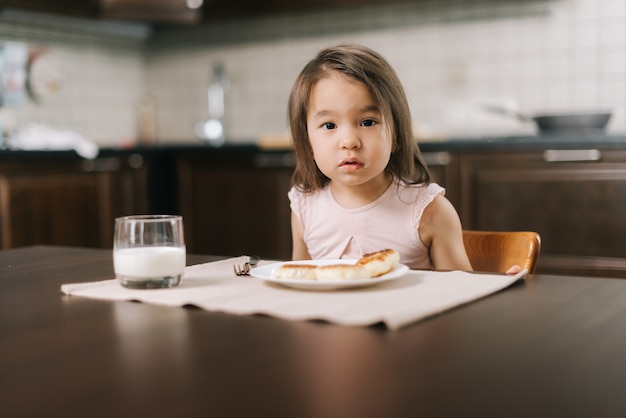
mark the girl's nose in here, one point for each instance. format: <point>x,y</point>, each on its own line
<point>350,139</point>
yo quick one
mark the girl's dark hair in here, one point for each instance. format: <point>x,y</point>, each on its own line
<point>368,67</point>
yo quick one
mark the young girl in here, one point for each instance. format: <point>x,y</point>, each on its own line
<point>360,183</point>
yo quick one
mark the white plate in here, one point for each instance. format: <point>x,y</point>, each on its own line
<point>265,273</point>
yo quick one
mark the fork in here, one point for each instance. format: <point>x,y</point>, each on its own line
<point>244,270</point>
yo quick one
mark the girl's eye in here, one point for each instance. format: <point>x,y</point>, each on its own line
<point>328,125</point>
<point>368,122</point>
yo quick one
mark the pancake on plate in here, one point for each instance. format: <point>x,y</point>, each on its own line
<point>342,272</point>
<point>295,271</point>
<point>379,262</point>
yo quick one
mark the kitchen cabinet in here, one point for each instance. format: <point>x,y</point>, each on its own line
<point>236,205</point>
<point>76,8</point>
<point>444,170</point>
<point>177,12</point>
<point>217,10</point>
<point>234,198</point>
<point>574,198</point>
<point>68,201</point>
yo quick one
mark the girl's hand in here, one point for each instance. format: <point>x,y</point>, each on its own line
<point>514,269</point>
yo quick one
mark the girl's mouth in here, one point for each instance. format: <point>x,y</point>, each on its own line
<point>352,164</point>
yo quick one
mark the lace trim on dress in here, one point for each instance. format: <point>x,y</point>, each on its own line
<point>298,204</point>
<point>426,195</point>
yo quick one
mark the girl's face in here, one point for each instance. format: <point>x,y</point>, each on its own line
<point>350,141</point>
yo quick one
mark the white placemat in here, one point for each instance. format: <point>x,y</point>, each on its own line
<point>214,287</point>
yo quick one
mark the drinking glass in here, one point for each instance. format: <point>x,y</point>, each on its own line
<point>149,251</point>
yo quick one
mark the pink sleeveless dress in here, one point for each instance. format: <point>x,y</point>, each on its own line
<point>391,221</point>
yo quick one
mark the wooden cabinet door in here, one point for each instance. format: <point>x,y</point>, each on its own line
<point>235,209</point>
<point>60,208</point>
<point>444,170</point>
<point>72,202</point>
<point>575,203</point>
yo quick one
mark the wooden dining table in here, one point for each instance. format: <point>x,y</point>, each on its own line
<point>547,346</point>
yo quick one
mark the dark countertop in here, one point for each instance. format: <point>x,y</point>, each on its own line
<point>476,144</point>
<point>526,143</point>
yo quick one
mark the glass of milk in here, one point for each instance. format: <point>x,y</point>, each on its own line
<point>149,251</point>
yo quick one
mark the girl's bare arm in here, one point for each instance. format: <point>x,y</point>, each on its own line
<point>441,231</point>
<point>299,250</point>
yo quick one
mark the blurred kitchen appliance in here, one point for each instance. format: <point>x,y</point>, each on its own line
<point>573,122</point>
<point>212,129</point>
<point>581,122</point>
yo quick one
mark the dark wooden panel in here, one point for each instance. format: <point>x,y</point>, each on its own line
<point>444,169</point>
<point>83,8</point>
<point>56,208</point>
<point>577,207</point>
<point>235,210</point>
<point>176,11</point>
<point>69,201</point>
<point>130,192</point>
<point>214,10</point>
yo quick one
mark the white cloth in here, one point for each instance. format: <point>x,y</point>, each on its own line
<point>36,136</point>
<point>396,303</point>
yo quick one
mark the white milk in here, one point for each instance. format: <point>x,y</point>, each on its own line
<point>149,262</point>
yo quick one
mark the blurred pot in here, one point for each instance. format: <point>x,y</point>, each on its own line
<point>557,123</point>
<point>574,122</point>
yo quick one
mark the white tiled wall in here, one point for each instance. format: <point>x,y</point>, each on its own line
<point>543,56</point>
<point>102,71</point>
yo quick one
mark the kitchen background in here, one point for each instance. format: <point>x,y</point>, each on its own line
<point>117,82</point>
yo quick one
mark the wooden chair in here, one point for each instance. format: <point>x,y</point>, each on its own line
<point>496,252</point>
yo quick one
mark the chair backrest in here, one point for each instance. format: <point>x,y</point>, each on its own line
<point>496,252</point>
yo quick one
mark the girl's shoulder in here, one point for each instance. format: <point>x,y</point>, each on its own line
<point>418,196</point>
<point>296,194</point>
<point>423,190</point>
